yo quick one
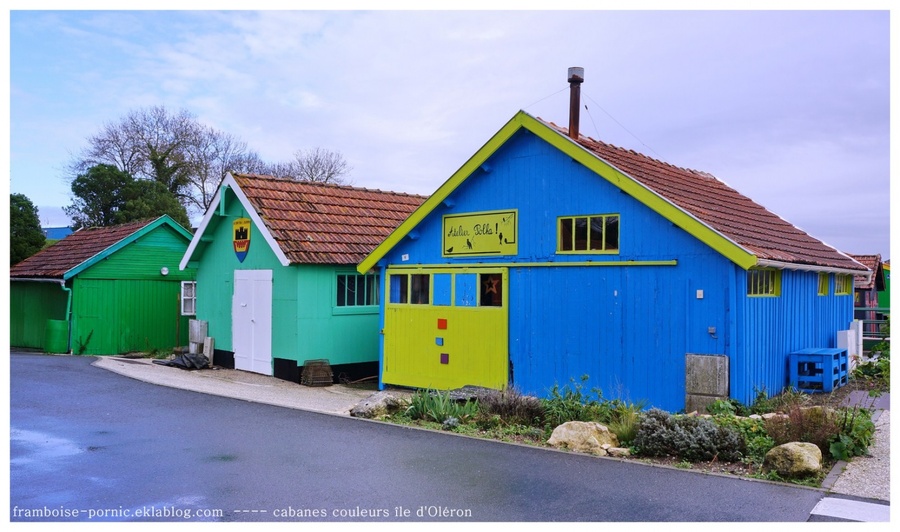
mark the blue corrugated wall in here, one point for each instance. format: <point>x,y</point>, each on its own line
<point>773,328</point>
<point>627,327</point>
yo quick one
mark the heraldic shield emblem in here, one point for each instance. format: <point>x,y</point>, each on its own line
<point>241,238</point>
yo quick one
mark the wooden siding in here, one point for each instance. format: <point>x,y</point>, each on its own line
<point>625,320</point>
<point>627,326</point>
<point>112,317</point>
<point>305,322</point>
<point>144,258</point>
<point>774,327</point>
<point>30,306</point>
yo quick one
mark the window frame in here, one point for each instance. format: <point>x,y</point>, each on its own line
<point>824,284</point>
<point>573,222</point>
<point>763,282</point>
<point>371,292</point>
<point>485,291</point>
<point>843,284</point>
<point>411,290</point>
<point>192,298</point>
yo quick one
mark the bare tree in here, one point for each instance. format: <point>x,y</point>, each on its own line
<point>316,165</point>
<point>147,143</point>
<point>213,154</point>
<point>191,159</point>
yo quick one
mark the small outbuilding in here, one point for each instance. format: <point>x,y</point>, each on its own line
<point>550,257</point>
<point>276,274</point>
<point>103,291</point>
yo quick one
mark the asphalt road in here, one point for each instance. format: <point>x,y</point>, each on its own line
<point>90,445</point>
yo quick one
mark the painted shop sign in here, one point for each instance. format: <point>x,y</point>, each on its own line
<point>480,233</point>
<point>241,240</point>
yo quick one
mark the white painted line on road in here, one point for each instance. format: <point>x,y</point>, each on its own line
<point>865,512</point>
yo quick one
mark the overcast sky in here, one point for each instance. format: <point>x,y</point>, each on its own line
<point>791,108</point>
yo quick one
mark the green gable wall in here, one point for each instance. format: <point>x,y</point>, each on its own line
<point>143,259</point>
<point>124,303</point>
<point>305,324</point>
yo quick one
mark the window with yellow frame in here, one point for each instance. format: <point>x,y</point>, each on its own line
<point>588,234</point>
<point>843,285</point>
<point>764,283</point>
<point>824,283</point>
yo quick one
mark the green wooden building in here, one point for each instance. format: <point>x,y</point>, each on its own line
<point>104,291</point>
<point>276,274</point>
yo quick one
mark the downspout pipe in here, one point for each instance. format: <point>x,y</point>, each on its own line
<point>67,290</point>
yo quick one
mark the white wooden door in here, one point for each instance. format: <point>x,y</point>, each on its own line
<point>251,321</point>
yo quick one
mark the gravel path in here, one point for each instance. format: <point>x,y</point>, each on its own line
<point>869,476</point>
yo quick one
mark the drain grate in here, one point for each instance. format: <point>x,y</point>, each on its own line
<point>316,373</point>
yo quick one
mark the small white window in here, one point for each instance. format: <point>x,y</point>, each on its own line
<point>188,298</point>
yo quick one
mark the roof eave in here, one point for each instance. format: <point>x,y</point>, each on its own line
<point>767,263</point>
<point>231,183</point>
<point>165,219</point>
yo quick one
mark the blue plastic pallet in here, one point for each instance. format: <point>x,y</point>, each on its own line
<point>819,369</point>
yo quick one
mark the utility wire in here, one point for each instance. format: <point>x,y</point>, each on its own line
<point>617,122</point>
<point>591,116</point>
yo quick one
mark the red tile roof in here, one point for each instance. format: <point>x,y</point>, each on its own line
<point>722,208</point>
<point>872,262</point>
<point>54,261</point>
<point>325,224</point>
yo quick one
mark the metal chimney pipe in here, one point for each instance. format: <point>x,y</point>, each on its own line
<point>576,77</point>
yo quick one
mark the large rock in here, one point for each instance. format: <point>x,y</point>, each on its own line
<point>379,404</point>
<point>583,436</point>
<point>794,459</point>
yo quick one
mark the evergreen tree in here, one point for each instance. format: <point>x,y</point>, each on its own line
<point>26,236</point>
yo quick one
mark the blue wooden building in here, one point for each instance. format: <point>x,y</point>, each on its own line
<point>549,256</point>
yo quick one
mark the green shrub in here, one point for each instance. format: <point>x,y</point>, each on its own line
<point>856,433</point>
<point>440,407</point>
<point>728,406</point>
<point>511,407</point>
<point>840,433</point>
<point>753,431</point>
<point>790,397</point>
<point>686,437</point>
<point>568,404</point>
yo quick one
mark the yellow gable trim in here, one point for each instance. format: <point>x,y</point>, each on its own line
<point>665,208</point>
<point>442,192</point>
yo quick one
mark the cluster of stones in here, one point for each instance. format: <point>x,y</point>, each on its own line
<point>587,437</point>
<point>790,460</point>
<point>377,405</point>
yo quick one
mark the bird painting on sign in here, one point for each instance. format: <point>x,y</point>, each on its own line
<point>480,233</point>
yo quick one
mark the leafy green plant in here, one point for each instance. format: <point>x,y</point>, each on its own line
<point>787,399</point>
<point>728,406</point>
<point>440,407</point>
<point>856,433</point>
<point>567,404</point>
<point>82,345</point>
<point>753,431</point>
